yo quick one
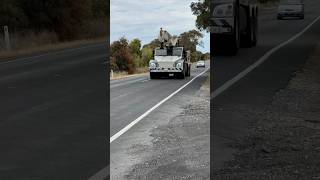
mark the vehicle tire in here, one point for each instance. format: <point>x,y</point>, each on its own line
<point>248,38</point>
<point>189,71</point>
<point>235,40</point>
<point>153,75</point>
<point>255,31</point>
<point>181,75</point>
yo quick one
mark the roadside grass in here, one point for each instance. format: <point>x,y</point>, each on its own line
<point>124,74</point>
<point>46,47</point>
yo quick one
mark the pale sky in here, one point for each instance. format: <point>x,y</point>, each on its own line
<point>142,19</point>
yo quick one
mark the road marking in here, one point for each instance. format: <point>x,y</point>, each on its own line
<point>101,175</point>
<point>145,80</point>
<point>125,129</point>
<point>123,83</point>
<point>230,82</point>
<point>50,53</point>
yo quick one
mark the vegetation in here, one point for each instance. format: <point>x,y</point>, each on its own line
<point>62,20</point>
<point>130,56</point>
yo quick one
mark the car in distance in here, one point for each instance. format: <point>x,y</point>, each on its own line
<point>291,8</point>
<point>201,64</point>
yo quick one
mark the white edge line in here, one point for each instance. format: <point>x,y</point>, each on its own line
<point>103,173</point>
<point>230,82</point>
<point>125,129</point>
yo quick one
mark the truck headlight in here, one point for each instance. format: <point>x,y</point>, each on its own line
<point>179,65</point>
<point>152,65</point>
<point>223,10</point>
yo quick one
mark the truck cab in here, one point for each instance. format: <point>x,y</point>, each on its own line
<point>233,23</point>
<point>170,61</point>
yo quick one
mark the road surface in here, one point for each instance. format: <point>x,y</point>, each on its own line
<point>54,115</point>
<point>131,97</point>
<point>236,107</point>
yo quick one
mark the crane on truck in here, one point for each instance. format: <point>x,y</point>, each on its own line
<point>170,59</point>
<point>234,24</point>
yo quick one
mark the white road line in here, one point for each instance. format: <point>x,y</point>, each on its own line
<point>125,129</point>
<point>145,80</point>
<point>230,82</point>
<point>101,175</point>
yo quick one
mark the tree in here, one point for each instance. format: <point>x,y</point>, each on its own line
<point>135,47</point>
<point>147,55</point>
<point>190,40</point>
<point>202,10</point>
<point>153,44</point>
<point>121,56</point>
<point>68,18</point>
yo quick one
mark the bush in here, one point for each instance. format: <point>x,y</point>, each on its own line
<point>121,56</point>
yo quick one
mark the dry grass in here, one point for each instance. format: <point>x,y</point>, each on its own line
<point>28,42</point>
<point>38,48</point>
<point>124,74</point>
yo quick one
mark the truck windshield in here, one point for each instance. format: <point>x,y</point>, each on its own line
<point>177,52</point>
<point>161,52</point>
<point>169,52</point>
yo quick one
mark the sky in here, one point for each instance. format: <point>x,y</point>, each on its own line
<point>143,19</point>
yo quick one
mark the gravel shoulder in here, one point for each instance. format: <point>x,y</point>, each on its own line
<point>175,146</point>
<point>284,141</point>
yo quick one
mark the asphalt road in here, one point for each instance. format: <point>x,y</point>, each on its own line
<point>54,115</point>
<point>234,109</point>
<point>131,97</point>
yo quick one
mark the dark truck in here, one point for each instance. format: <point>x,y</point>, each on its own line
<point>234,24</point>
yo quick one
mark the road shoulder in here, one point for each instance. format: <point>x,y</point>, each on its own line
<point>176,145</point>
<point>284,142</point>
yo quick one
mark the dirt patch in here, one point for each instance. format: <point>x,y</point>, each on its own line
<point>284,143</point>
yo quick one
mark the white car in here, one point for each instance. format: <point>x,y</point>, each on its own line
<point>201,64</point>
<point>291,8</point>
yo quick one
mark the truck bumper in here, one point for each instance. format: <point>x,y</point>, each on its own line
<point>166,70</point>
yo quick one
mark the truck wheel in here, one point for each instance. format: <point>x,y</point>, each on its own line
<point>180,75</point>
<point>153,75</point>
<point>255,31</point>
<point>247,38</point>
<point>302,17</point>
<point>235,40</point>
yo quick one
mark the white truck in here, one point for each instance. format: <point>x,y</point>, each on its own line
<point>234,23</point>
<point>170,59</point>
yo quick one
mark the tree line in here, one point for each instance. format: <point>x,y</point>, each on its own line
<point>67,18</point>
<point>128,55</point>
